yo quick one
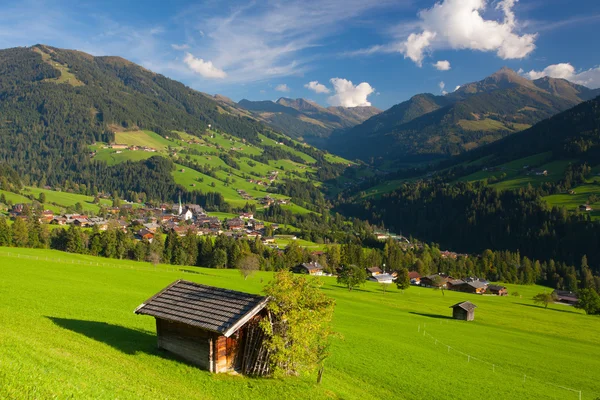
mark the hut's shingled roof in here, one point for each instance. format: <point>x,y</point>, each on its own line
<point>465,305</point>
<point>218,310</point>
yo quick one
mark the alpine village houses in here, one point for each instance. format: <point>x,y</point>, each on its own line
<point>215,329</point>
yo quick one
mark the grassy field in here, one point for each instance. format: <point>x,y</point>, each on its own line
<point>68,331</point>
<point>143,138</point>
<point>573,201</point>
<point>65,199</point>
<point>111,157</point>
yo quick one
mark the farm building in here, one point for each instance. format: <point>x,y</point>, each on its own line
<point>497,290</point>
<point>564,296</point>
<point>475,287</point>
<point>585,207</point>
<point>415,278</point>
<point>215,329</point>
<point>435,280</point>
<point>464,311</point>
<point>311,268</point>
<point>374,271</point>
<point>382,278</point>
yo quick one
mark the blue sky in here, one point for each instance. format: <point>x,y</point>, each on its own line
<point>338,52</point>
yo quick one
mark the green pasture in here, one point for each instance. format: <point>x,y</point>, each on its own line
<point>69,331</point>
<point>143,138</point>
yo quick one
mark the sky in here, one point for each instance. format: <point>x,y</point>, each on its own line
<point>338,52</point>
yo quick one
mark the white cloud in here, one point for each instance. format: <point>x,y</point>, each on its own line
<point>459,24</point>
<point>257,41</point>
<point>589,78</point>
<point>180,46</point>
<point>349,95</point>
<point>442,65</point>
<point>282,87</point>
<point>204,68</point>
<point>562,70</point>
<point>442,85</point>
<point>416,44</point>
<point>317,87</point>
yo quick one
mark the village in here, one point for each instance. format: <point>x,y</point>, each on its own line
<point>146,221</point>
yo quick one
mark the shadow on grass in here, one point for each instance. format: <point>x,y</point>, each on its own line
<point>126,340</point>
<point>438,316</point>
<point>544,308</point>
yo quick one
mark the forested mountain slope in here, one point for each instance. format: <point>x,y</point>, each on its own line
<point>428,126</point>
<point>57,103</point>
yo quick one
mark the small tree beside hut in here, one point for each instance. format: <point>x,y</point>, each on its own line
<point>298,329</point>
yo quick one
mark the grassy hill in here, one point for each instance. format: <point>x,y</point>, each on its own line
<point>69,330</point>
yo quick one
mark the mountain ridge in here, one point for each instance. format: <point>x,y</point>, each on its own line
<point>428,126</point>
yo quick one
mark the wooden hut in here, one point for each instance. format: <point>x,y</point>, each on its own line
<point>464,311</point>
<point>497,290</point>
<point>213,328</point>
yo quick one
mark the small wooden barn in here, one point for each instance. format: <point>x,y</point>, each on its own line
<point>464,311</point>
<point>213,328</point>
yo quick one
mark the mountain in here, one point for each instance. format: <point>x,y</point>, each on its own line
<point>304,119</point>
<point>427,126</point>
<point>61,110</point>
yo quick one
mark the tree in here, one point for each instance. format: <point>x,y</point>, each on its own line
<point>42,197</point>
<point>352,276</point>
<point>20,236</point>
<point>5,234</point>
<point>589,301</point>
<point>248,264</point>
<point>544,298</point>
<point>219,259</point>
<point>299,331</point>
<point>403,280</point>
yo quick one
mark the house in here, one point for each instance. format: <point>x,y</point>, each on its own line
<point>311,268</point>
<point>256,225</point>
<point>374,271</point>
<point>415,278</point>
<point>269,239</point>
<point>247,215</point>
<point>382,278</point>
<point>212,328</point>
<point>455,283</point>
<point>145,234</point>
<point>474,287</point>
<point>430,280</point>
<point>585,207</point>
<point>497,290</point>
<point>235,224</point>
<point>187,215</point>
<point>565,296</point>
<point>464,311</point>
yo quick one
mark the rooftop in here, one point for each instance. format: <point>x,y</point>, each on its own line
<point>214,309</point>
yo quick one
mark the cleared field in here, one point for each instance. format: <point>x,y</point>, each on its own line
<point>68,330</point>
<point>556,170</point>
<point>111,157</point>
<point>511,169</point>
<point>573,201</point>
<point>66,199</point>
<point>143,138</point>
<point>270,142</point>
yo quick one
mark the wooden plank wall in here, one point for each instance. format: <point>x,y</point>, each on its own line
<point>190,343</point>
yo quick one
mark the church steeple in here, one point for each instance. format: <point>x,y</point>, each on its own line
<point>180,206</point>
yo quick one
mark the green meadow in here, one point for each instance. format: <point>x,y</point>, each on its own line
<point>69,331</point>
<point>143,138</point>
